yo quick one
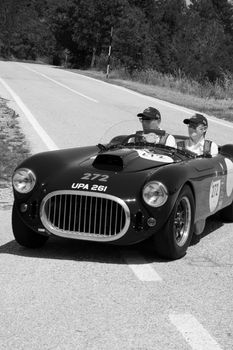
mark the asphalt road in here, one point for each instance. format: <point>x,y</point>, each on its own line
<point>77,295</point>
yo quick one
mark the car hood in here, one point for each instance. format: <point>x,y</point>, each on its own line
<point>127,160</point>
<point>123,168</point>
<point>91,158</point>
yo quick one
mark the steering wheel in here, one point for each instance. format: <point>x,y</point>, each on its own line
<point>137,138</point>
<point>151,136</point>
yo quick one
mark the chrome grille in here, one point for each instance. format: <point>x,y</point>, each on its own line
<point>85,215</point>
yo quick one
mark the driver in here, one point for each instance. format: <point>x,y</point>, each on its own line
<point>151,119</point>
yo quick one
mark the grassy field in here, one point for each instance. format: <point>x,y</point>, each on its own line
<point>13,146</point>
<point>212,99</point>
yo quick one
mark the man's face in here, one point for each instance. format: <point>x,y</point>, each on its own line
<point>196,131</point>
<point>148,124</point>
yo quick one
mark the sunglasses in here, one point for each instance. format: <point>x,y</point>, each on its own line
<point>195,126</point>
<point>146,119</point>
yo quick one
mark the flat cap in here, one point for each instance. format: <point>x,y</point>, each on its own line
<point>196,119</point>
<point>150,113</point>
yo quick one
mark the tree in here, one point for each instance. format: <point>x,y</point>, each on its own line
<point>23,30</point>
<point>93,22</point>
<point>83,26</point>
<point>198,47</point>
<point>165,35</point>
<point>130,39</point>
<point>61,20</point>
<point>221,10</point>
<point>224,10</point>
<point>165,23</point>
<point>8,21</point>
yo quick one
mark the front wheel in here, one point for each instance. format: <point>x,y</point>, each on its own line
<point>23,234</point>
<point>173,240</point>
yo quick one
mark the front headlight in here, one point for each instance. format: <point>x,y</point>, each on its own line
<point>23,180</point>
<point>155,194</point>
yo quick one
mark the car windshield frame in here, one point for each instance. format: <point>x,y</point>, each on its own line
<point>177,153</point>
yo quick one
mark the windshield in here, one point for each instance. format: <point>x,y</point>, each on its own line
<point>129,134</point>
<point>123,128</point>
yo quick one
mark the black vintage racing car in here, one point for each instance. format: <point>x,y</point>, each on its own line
<point>122,192</point>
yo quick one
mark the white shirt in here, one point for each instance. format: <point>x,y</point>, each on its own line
<point>198,147</point>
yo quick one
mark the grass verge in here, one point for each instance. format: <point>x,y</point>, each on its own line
<point>13,148</point>
<point>221,108</point>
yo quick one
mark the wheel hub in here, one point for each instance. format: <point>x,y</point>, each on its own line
<point>182,221</point>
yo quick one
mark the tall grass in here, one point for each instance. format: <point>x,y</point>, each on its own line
<point>13,145</point>
<point>220,89</point>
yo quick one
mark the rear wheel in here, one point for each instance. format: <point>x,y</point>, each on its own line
<point>173,240</point>
<point>23,234</point>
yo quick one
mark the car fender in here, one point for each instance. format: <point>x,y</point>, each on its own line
<point>174,177</point>
<point>45,164</point>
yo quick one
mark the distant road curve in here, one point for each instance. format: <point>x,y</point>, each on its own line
<point>73,109</point>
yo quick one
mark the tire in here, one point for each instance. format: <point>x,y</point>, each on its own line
<point>23,234</point>
<point>226,214</point>
<point>173,240</point>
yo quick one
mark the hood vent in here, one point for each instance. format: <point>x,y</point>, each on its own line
<point>108,162</point>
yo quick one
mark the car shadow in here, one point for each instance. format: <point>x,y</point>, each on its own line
<point>213,223</point>
<point>78,250</point>
<point>67,249</point>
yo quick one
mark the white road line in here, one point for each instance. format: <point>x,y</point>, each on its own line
<point>150,98</point>
<point>228,125</point>
<point>141,268</point>
<point>41,132</point>
<point>60,84</point>
<point>163,103</point>
<point>193,332</point>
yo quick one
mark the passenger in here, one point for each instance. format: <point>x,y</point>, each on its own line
<point>197,128</point>
<point>151,119</point>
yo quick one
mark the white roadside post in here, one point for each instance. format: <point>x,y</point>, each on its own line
<point>109,53</point>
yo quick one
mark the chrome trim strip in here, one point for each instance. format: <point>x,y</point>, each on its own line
<point>64,222</point>
<point>110,225</point>
<point>105,217</point>
<point>54,210</point>
<point>81,235</point>
<point>95,214</point>
<point>69,213</point>
<point>59,214</point>
<point>49,215</point>
<point>115,230</point>
<point>85,214</point>
<point>89,226</point>
<point>75,211</point>
<point>80,207</point>
<point>121,217</point>
<point>101,208</point>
